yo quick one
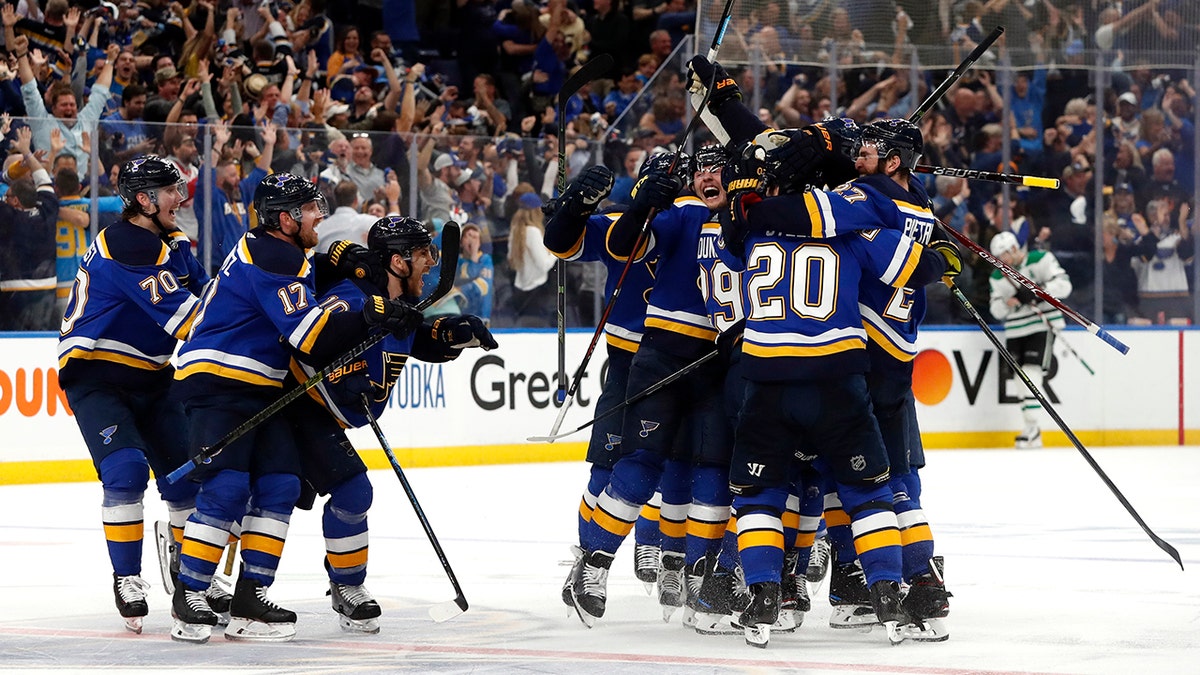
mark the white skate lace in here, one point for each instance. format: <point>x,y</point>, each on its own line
<point>646,557</point>
<point>261,593</point>
<point>354,595</point>
<point>670,583</point>
<point>132,588</point>
<point>595,580</point>
<point>818,558</point>
<point>217,589</point>
<point>197,602</point>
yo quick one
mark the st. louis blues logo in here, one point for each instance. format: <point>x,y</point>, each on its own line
<point>108,433</point>
<point>277,180</point>
<point>613,441</point>
<point>647,427</point>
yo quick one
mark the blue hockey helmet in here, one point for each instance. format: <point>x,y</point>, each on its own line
<point>283,192</point>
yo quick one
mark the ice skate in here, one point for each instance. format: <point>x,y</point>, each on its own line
<point>850,598</point>
<point>253,617</point>
<point>576,554</point>
<point>762,614</point>
<point>714,604</point>
<point>670,584</point>
<point>168,555</point>
<point>589,585</point>
<point>928,602</point>
<point>357,610</point>
<point>1030,438</point>
<point>795,602</point>
<point>646,565</point>
<point>194,619</point>
<point>130,594</point>
<point>885,599</point>
<point>219,599</point>
<point>693,581</point>
<point>818,561</point>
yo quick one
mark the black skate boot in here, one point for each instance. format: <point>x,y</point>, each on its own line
<point>795,594</point>
<point>928,602</point>
<point>253,617</point>
<point>693,581</point>
<point>646,565</point>
<point>885,598</point>
<point>357,610</point>
<point>761,615</point>
<point>219,599</point>
<point>714,603</point>
<point>589,585</point>
<point>849,597</point>
<point>130,594</point>
<point>670,584</point>
<point>818,561</point>
<point>194,619</point>
<point>576,554</point>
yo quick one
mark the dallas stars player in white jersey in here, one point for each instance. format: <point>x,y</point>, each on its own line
<point>1029,323</point>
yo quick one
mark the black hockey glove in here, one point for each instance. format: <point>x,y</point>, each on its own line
<point>461,332</point>
<point>952,255</point>
<point>1026,296</point>
<point>743,179</point>
<point>395,316</point>
<point>655,190</point>
<point>583,195</point>
<point>700,75</point>
<point>798,158</point>
<point>354,261</point>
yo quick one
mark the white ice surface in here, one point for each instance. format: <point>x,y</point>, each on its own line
<point>1048,571</point>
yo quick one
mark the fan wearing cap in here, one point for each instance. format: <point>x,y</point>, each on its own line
<point>436,181</point>
<point>263,310</point>
<point>400,252</point>
<point>28,255</point>
<point>1029,322</point>
<point>134,298</point>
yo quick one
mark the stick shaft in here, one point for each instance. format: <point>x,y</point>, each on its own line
<point>1012,363</point>
<point>1008,178</point>
<point>937,94</point>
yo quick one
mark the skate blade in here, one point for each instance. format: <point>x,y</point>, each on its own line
<point>895,632</point>
<point>133,624</point>
<point>587,619</point>
<point>716,624</point>
<point>668,611</point>
<point>166,545</point>
<point>689,617</point>
<point>853,617</point>
<point>222,618</point>
<point>369,626</point>
<point>190,632</point>
<point>758,635</point>
<point>788,621</point>
<point>249,630</point>
<point>928,630</point>
<point>649,586</point>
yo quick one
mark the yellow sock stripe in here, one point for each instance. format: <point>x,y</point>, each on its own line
<point>585,511</point>
<point>876,540</point>
<point>676,529</point>
<point>805,539</point>
<point>124,532</point>
<point>791,519</point>
<point>259,542</point>
<point>347,560</point>
<point>649,512</point>
<point>177,534</point>
<point>835,517</point>
<point>202,550</point>
<point>610,524</point>
<point>916,533</point>
<point>747,540</point>
<point>705,529</point>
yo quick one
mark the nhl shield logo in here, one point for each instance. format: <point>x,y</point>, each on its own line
<point>647,427</point>
<point>858,462</point>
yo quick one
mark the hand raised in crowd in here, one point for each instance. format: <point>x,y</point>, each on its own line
<point>57,144</point>
<point>1185,210</point>
<point>71,20</point>
<point>202,72</point>
<point>379,56</point>
<point>221,135</point>
<point>37,59</point>
<point>85,143</point>
<point>8,14</point>
<point>527,124</point>
<point>190,88</point>
<point>269,133</point>
<point>449,93</point>
<point>5,124</point>
<point>320,99</point>
<point>292,69</point>
<point>313,65</point>
<point>111,52</point>
<point>391,188</point>
<point>24,140</point>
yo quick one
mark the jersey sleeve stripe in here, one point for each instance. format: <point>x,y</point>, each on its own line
<point>575,250</point>
<point>885,343</point>
<point>102,245</point>
<point>814,213</point>
<point>309,329</point>
<point>914,257</point>
<point>181,322</point>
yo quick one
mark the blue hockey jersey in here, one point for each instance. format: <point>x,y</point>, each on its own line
<point>133,298</point>
<point>626,321</point>
<point>261,304</point>
<point>720,283</point>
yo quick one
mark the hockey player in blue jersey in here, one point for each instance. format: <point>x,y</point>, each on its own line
<point>134,297</point>
<point>400,252</point>
<point>805,360</point>
<point>261,306</point>
<point>677,332</point>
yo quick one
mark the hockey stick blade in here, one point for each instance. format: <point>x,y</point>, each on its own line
<point>450,239</point>
<point>444,611</point>
<point>591,70</point>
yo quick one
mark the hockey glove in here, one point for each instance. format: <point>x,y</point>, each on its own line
<point>584,193</point>
<point>461,332</point>
<point>353,261</point>
<point>396,316</point>
<point>798,158</point>
<point>952,255</point>
<point>700,75</point>
<point>655,190</point>
<point>1026,296</point>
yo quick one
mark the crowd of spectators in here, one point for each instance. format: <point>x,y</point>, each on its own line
<point>446,110</point>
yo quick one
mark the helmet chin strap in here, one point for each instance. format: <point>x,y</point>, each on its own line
<point>404,279</point>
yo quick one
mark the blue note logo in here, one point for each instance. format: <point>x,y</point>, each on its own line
<point>108,433</point>
<point>613,441</point>
<point>647,427</point>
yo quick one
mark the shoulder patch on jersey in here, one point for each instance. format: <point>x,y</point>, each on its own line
<point>275,255</point>
<point>131,245</point>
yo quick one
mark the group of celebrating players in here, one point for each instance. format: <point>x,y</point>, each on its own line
<point>783,273</point>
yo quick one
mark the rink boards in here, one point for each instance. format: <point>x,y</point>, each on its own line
<point>481,408</point>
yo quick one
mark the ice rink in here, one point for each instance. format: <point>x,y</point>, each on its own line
<point>1049,575</point>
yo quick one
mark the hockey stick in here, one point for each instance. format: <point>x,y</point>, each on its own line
<point>450,235</point>
<point>443,611</point>
<point>1058,336</point>
<point>962,68</point>
<point>648,391</point>
<point>1012,363</point>
<point>589,71</point>
<point>644,235</point>
<point>1020,279</point>
<point>1008,178</point>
